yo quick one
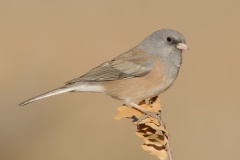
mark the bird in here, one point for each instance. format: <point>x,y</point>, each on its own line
<point>144,71</point>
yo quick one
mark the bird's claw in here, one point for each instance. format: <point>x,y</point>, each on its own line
<point>153,115</point>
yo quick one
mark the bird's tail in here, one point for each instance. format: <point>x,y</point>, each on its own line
<point>48,94</point>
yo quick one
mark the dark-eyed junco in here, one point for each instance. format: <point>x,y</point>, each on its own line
<point>144,71</point>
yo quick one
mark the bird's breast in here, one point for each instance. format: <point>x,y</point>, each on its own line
<point>139,88</point>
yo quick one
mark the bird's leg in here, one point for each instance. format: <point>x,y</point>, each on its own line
<point>146,112</point>
<point>134,105</point>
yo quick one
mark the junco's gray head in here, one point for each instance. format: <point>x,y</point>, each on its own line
<point>163,42</point>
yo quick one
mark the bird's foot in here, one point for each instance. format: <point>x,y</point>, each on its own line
<point>147,114</point>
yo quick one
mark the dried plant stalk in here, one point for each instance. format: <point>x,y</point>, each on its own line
<point>151,130</point>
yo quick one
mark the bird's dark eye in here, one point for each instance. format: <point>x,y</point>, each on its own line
<point>169,39</point>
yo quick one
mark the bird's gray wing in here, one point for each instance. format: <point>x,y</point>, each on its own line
<point>133,63</point>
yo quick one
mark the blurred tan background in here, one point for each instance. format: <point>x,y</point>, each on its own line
<point>44,43</point>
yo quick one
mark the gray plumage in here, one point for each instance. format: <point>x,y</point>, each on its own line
<point>133,63</point>
<point>160,51</point>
